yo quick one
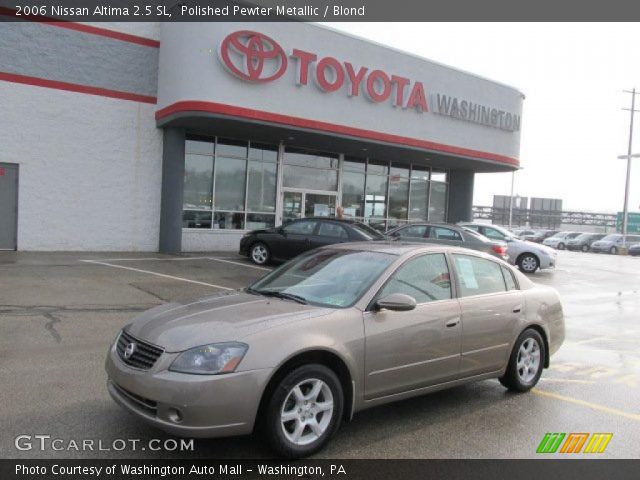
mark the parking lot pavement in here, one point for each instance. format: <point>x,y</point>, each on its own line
<point>59,313</point>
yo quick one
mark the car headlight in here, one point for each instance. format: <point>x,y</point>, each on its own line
<point>216,358</point>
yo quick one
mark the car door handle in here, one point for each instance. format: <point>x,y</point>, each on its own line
<point>452,323</point>
<point>517,309</point>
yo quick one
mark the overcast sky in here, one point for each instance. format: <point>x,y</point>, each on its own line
<point>573,75</point>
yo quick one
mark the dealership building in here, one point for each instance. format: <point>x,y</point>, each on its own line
<point>184,136</point>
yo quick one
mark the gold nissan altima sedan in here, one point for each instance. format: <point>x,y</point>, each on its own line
<point>330,333</point>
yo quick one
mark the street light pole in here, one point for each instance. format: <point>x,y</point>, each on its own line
<point>625,212</point>
<point>513,176</point>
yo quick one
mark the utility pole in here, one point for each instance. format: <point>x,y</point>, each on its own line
<point>632,110</point>
<point>513,176</point>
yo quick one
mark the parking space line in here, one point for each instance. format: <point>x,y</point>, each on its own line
<point>568,380</point>
<point>176,259</point>
<point>594,406</point>
<point>149,272</point>
<point>248,265</point>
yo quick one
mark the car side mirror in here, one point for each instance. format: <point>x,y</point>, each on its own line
<point>397,302</point>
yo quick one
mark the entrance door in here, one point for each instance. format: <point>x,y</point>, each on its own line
<point>8,206</point>
<point>301,204</point>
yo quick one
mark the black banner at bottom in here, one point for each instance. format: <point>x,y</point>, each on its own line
<point>583,469</point>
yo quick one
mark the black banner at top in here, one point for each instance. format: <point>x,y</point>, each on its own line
<point>317,10</point>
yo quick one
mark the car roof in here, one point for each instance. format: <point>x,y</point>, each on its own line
<point>331,219</point>
<point>396,247</point>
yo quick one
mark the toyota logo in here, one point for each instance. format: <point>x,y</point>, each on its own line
<point>253,56</point>
<point>130,350</point>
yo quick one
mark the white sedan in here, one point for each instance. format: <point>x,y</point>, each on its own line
<point>528,256</point>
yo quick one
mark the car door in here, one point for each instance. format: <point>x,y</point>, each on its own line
<point>294,239</point>
<point>328,233</point>
<point>444,236</point>
<point>416,348</point>
<point>491,309</point>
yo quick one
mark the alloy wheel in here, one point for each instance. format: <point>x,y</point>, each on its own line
<point>529,264</point>
<point>259,254</point>
<point>528,361</point>
<point>306,411</point>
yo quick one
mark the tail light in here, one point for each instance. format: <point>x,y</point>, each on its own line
<point>500,250</point>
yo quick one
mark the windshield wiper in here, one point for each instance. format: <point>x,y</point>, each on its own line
<point>288,296</point>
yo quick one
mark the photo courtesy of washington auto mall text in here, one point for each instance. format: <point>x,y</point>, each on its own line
<point>353,239</point>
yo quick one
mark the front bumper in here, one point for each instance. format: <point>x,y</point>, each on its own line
<point>547,261</point>
<point>198,406</point>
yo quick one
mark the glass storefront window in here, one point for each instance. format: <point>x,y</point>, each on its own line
<point>419,193</point>
<point>310,158</point>
<point>438,175</point>
<point>311,178</point>
<point>230,183</point>
<point>263,152</point>
<point>310,169</point>
<point>261,188</point>
<point>233,184</point>
<point>376,196</point>
<point>199,147</point>
<point>438,202</point>
<point>231,148</point>
<point>353,193</point>
<point>228,220</point>
<point>258,221</point>
<point>398,192</point>
<point>196,219</point>
<point>198,181</point>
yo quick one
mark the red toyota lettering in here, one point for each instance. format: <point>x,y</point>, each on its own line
<point>335,80</point>
<point>355,78</point>
<point>378,77</point>
<point>417,98</point>
<point>304,60</point>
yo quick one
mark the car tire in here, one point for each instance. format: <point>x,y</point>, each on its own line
<point>613,251</point>
<point>528,263</point>
<point>525,363</point>
<point>585,248</point>
<point>259,253</point>
<point>561,246</point>
<point>293,409</point>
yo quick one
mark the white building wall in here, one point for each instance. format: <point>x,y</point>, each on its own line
<point>90,169</point>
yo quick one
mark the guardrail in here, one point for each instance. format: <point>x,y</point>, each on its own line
<point>543,219</point>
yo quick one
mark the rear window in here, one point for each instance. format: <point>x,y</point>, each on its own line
<point>368,232</point>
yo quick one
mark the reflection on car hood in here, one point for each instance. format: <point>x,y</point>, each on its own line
<point>220,318</point>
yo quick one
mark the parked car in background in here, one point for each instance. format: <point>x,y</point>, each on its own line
<point>539,236</point>
<point>298,236</point>
<point>331,333</point>
<point>560,239</point>
<point>528,256</point>
<point>522,232</point>
<point>613,242</point>
<point>584,240</point>
<point>634,249</point>
<point>446,234</point>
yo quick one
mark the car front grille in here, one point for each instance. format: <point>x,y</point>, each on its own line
<point>144,354</point>
<point>149,407</point>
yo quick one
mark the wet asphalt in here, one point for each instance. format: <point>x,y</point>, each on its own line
<point>60,312</point>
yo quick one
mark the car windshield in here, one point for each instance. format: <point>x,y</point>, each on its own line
<point>369,232</point>
<point>327,277</point>
<point>584,236</point>
<point>612,238</point>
